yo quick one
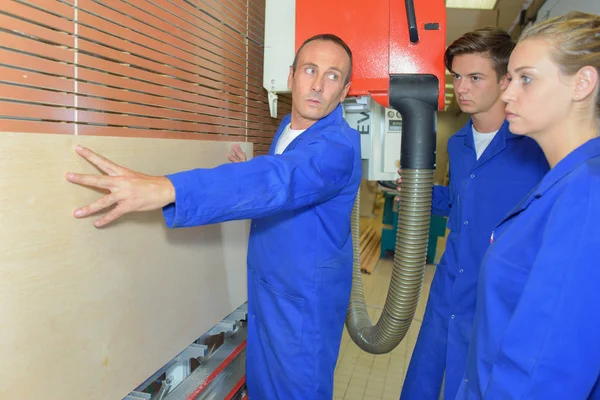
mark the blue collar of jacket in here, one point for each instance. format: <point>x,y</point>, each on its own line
<point>496,147</point>
<point>588,150</point>
<point>333,118</point>
<point>467,133</point>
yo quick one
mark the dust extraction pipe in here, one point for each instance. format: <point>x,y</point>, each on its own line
<point>415,97</point>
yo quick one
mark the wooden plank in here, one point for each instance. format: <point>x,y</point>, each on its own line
<point>369,249</point>
<point>90,313</point>
<point>371,258</point>
<point>367,238</point>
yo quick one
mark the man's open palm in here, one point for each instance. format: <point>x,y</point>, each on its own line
<point>129,191</point>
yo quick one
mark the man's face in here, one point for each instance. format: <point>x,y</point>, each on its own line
<point>476,84</point>
<point>318,83</point>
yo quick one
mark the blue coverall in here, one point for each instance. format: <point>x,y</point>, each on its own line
<point>299,252</point>
<point>480,194</point>
<point>537,324</point>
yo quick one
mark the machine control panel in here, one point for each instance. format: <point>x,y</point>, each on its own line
<point>381,136</point>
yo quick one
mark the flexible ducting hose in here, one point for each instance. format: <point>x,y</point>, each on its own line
<point>418,163</point>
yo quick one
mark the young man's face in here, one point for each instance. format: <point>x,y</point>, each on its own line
<point>476,84</point>
<point>318,83</point>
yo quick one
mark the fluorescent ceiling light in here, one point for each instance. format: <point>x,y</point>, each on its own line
<point>473,4</point>
<point>449,94</point>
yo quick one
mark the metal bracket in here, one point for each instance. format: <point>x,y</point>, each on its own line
<point>230,323</point>
<point>357,104</point>
<point>223,326</point>
<point>239,314</point>
<point>138,396</point>
<point>179,368</point>
<point>192,351</point>
<point>272,104</point>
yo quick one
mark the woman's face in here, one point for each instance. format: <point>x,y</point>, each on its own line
<point>539,96</point>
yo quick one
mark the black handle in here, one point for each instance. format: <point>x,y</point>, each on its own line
<point>413,33</point>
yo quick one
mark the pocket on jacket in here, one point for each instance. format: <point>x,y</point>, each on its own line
<point>281,317</point>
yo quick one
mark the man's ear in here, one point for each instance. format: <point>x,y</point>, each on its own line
<point>504,82</point>
<point>290,78</point>
<point>586,82</point>
<point>345,91</point>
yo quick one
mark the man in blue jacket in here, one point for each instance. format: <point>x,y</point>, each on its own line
<point>300,198</point>
<point>491,170</point>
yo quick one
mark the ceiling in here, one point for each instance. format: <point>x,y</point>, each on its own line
<point>505,15</point>
<point>459,21</point>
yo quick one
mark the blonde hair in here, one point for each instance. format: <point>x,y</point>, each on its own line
<point>576,41</point>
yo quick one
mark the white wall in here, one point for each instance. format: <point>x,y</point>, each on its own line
<point>553,8</point>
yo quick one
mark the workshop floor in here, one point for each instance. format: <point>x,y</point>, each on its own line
<point>363,376</point>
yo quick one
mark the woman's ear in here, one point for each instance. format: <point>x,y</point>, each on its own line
<point>586,82</point>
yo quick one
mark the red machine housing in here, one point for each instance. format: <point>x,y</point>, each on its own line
<point>378,33</point>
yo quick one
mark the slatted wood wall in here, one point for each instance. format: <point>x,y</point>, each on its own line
<point>185,69</point>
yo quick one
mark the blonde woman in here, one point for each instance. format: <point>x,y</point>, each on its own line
<point>537,323</point>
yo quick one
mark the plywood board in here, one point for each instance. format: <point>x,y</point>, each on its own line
<point>90,313</point>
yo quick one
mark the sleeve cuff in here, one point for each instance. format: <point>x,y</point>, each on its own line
<point>173,214</point>
<point>169,212</point>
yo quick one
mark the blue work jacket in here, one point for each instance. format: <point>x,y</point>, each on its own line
<point>537,325</point>
<point>299,252</point>
<point>480,194</point>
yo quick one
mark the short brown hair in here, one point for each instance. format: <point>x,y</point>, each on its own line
<point>575,40</point>
<point>492,42</point>
<point>328,37</point>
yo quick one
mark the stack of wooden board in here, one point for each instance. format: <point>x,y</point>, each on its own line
<point>370,243</point>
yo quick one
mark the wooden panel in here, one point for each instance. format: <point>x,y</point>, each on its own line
<point>152,101</point>
<point>18,25</point>
<point>35,47</point>
<point>90,313</point>
<point>28,62</point>
<point>45,15</point>
<point>34,95</point>
<point>176,69</point>
<point>126,17</point>
<point>34,79</point>
<point>153,89</point>
<point>19,110</point>
<point>28,126</point>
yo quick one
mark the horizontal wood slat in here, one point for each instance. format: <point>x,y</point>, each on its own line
<point>36,79</point>
<point>147,67</point>
<point>35,11</point>
<point>153,50</point>
<point>129,18</point>
<point>12,23</point>
<point>228,33</point>
<point>154,101</point>
<point>33,63</point>
<point>28,126</point>
<point>56,7</point>
<point>144,68</point>
<point>36,48</point>
<point>35,95</point>
<point>33,111</point>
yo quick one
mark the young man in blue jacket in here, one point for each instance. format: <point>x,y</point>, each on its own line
<point>491,170</point>
<point>300,198</point>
